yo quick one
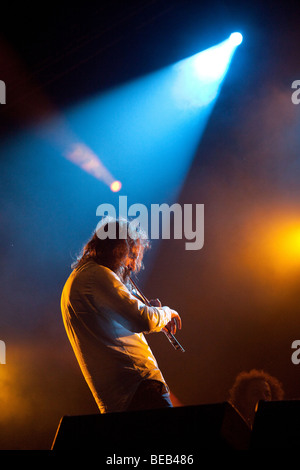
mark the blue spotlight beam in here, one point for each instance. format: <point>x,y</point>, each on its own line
<point>57,132</point>
<point>147,131</point>
<point>199,77</point>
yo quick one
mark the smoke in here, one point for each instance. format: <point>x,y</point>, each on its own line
<point>238,295</point>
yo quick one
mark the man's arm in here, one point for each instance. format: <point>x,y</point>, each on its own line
<point>112,298</point>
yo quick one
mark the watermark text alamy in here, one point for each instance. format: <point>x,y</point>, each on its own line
<point>2,352</point>
<point>188,221</point>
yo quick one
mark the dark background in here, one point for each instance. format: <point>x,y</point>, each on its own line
<point>239,295</point>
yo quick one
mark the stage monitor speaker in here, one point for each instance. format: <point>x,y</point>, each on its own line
<point>276,425</point>
<point>179,429</point>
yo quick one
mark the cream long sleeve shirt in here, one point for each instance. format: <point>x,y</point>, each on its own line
<point>105,324</point>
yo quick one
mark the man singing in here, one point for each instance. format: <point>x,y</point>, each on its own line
<point>105,322</point>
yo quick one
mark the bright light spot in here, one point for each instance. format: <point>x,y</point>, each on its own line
<point>236,39</point>
<point>115,186</point>
<point>272,247</point>
<point>211,64</point>
<point>200,77</point>
<point>284,242</point>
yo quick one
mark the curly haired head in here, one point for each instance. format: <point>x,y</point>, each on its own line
<point>116,244</point>
<point>243,379</point>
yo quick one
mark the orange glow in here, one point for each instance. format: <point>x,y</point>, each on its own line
<point>13,403</point>
<point>115,186</point>
<point>284,241</point>
<point>273,247</point>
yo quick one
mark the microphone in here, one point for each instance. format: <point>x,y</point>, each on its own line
<point>175,343</point>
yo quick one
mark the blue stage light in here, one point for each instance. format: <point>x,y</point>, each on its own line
<point>146,131</point>
<point>200,76</point>
<point>236,39</point>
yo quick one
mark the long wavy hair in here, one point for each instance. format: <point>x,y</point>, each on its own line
<point>108,246</point>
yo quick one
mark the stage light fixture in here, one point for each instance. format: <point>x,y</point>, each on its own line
<point>115,186</point>
<point>200,77</point>
<point>154,122</point>
<point>236,38</point>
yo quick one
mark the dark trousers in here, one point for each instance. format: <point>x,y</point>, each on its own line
<point>150,394</point>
